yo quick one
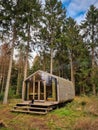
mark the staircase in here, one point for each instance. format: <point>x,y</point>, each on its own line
<point>32,108</point>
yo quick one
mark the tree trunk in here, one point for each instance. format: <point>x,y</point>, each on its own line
<point>1,71</point>
<point>51,61</point>
<point>83,90</point>
<point>5,100</point>
<point>93,63</point>
<point>44,62</point>
<point>26,65</point>
<point>2,85</point>
<point>18,83</point>
<point>72,70</point>
<point>93,73</point>
<point>3,76</point>
<point>25,75</point>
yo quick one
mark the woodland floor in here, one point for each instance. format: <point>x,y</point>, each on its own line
<point>80,114</point>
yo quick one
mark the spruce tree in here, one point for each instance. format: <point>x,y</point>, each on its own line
<point>90,34</point>
<point>73,42</point>
<point>52,21</point>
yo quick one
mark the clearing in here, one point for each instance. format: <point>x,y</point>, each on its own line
<point>80,114</point>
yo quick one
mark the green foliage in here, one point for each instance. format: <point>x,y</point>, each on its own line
<point>64,112</point>
<point>53,20</point>
<point>12,93</point>
<point>90,32</point>
<point>1,96</point>
<point>76,116</point>
<point>55,34</point>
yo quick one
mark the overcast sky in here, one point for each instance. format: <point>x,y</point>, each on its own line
<point>77,8</point>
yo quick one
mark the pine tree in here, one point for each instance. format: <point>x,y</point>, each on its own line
<point>9,23</point>
<point>90,34</point>
<point>73,42</point>
<point>30,13</point>
<point>52,22</point>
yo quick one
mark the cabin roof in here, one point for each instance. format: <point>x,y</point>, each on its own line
<point>57,77</point>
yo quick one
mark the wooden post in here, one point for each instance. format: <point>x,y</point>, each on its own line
<point>44,90</point>
<point>28,91</point>
<point>53,90</point>
<point>38,90</point>
<point>33,87</point>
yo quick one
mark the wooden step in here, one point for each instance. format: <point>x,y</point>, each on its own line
<point>35,108</point>
<point>31,112</point>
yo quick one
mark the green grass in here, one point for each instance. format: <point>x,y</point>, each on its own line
<point>80,114</point>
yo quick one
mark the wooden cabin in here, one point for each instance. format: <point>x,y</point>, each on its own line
<point>43,86</point>
<point>47,91</point>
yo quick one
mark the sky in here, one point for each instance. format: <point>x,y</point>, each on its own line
<point>77,9</point>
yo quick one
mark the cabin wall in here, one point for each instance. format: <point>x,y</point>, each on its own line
<point>66,90</point>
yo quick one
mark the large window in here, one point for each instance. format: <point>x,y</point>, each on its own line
<point>42,87</point>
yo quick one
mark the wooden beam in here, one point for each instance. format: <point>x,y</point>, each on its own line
<point>53,90</point>
<point>38,90</point>
<point>44,82</point>
<point>28,91</point>
<point>33,87</point>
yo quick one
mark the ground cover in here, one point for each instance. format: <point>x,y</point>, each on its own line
<point>80,114</point>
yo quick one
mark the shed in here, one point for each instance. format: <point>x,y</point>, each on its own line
<point>43,86</point>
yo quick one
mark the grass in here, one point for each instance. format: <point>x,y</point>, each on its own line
<point>80,114</point>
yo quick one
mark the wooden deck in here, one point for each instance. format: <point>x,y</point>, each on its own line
<point>40,103</point>
<point>38,107</point>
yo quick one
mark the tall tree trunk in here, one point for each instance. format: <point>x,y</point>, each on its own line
<point>93,63</point>
<point>1,70</point>
<point>51,61</point>
<point>44,65</point>
<point>2,85</point>
<point>72,70</point>
<point>44,61</point>
<point>59,71</point>
<point>3,76</point>
<point>93,73</point>
<point>26,65</point>
<point>18,83</point>
<point>25,75</point>
<point>83,90</point>
<point>5,100</point>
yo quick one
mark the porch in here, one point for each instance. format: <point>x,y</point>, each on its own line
<point>42,107</point>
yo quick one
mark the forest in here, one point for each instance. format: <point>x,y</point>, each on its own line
<point>63,47</point>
